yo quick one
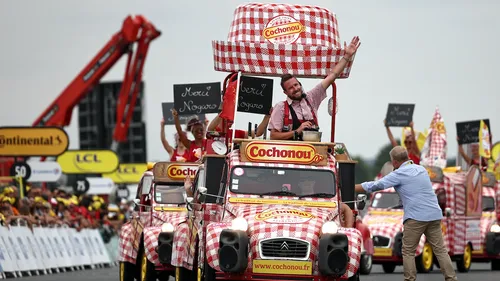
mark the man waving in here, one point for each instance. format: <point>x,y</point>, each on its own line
<point>299,111</point>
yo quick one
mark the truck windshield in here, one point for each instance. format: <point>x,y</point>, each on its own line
<point>282,182</point>
<point>386,200</point>
<point>170,193</point>
<point>488,204</point>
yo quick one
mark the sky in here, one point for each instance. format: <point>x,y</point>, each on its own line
<point>431,53</point>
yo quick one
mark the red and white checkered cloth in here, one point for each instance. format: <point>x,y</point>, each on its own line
<point>434,151</point>
<point>126,252</point>
<point>314,53</point>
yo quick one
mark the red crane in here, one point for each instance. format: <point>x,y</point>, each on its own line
<point>135,29</point>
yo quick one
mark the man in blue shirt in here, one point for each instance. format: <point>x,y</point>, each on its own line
<point>422,214</point>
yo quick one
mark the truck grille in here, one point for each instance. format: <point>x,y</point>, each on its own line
<point>288,248</point>
<point>381,241</point>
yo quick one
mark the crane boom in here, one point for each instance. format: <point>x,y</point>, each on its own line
<point>134,29</point>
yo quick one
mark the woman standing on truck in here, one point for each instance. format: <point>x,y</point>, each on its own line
<point>197,146</point>
<point>177,154</point>
<point>410,143</point>
<point>476,159</point>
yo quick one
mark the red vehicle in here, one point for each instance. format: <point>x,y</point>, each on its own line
<point>135,29</point>
<point>489,251</point>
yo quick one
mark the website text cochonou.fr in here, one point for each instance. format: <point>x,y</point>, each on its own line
<point>283,267</point>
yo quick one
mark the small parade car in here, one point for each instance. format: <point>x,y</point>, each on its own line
<point>460,199</point>
<point>273,214</point>
<point>146,241</point>
<point>490,229</point>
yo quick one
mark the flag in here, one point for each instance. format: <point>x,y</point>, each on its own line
<point>434,151</point>
<point>229,99</point>
<point>484,140</point>
<point>420,137</point>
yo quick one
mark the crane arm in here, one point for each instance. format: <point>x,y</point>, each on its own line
<point>134,28</point>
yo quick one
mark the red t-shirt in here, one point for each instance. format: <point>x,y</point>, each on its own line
<point>196,152</point>
<point>414,158</point>
<point>239,134</point>
<point>180,158</point>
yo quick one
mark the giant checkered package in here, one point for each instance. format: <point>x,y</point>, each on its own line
<point>274,39</point>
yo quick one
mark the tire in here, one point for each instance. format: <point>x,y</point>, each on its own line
<point>495,265</point>
<point>146,269</point>
<point>388,267</point>
<point>127,271</point>
<point>355,277</point>
<point>365,264</point>
<point>184,274</point>
<point>465,261</point>
<point>425,261</point>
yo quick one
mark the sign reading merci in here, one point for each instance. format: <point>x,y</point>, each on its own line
<point>88,161</point>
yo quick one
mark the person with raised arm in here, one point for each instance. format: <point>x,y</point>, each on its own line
<point>179,153</point>
<point>197,146</point>
<point>299,111</point>
<point>410,143</point>
<point>476,159</point>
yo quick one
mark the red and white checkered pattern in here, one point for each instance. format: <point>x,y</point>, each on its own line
<point>434,150</point>
<point>497,188</point>
<point>180,247</point>
<point>314,54</point>
<point>258,230</point>
<point>126,252</point>
<point>488,218</point>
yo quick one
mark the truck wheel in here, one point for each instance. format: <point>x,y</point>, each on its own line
<point>465,261</point>
<point>495,265</point>
<point>127,271</point>
<point>424,261</point>
<point>146,269</point>
<point>207,274</point>
<point>388,267</point>
<point>355,277</point>
<point>183,274</point>
<point>365,264</point>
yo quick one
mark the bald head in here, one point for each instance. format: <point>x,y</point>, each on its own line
<point>399,155</point>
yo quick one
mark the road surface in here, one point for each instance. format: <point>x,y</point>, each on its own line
<point>479,272</point>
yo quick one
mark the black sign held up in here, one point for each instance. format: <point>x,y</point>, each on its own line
<point>169,118</point>
<point>399,114</point>
<point>197,98</point>
<point>468,131</point>
<point>255,95</point>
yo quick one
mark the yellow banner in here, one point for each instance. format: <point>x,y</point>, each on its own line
<point>484,140</point>
<point>88,161</point>
<point>282,267</point>
<point>283,202</point>
<point>170,209</point>
<point>33,141</point>
<point>128,173</point>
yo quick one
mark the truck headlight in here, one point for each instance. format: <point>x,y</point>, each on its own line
<point>495,228</point>
<point>167,227</point>
<point>329,228</point>
<point>239,224</point>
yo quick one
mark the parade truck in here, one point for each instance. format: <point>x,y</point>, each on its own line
<point>490,228</point>
<point>272,212</point>
<point>459,196</point>
<point>146,242</point>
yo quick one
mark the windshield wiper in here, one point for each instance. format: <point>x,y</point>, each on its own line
<point>286,193</point>
<point>399,206</point>
<point>319,195</point>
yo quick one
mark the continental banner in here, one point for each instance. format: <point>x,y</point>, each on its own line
<point>88,161</point>
<point>33,141</point>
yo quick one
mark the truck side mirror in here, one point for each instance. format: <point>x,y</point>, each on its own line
<point>447,212</point>
<point>361,201</point>
<point>137,201</point>
<point>189,201</point>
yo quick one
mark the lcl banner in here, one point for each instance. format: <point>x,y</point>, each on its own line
<point>88,161</point>
<point>127,173</point>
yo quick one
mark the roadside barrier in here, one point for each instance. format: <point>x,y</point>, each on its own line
<point>47,250</point>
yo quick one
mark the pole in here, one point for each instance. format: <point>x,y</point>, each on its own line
<point>235,109</point>
<point>334,111</point>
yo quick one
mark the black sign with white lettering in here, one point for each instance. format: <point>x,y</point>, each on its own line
<point>468,132</point>
<point>399,114</point>
<point>201,98</point>
<point>122,192</point>
<point>255,95</point>
<point>20,169</point>
<point>169,118</point>
<point>81,186</point>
